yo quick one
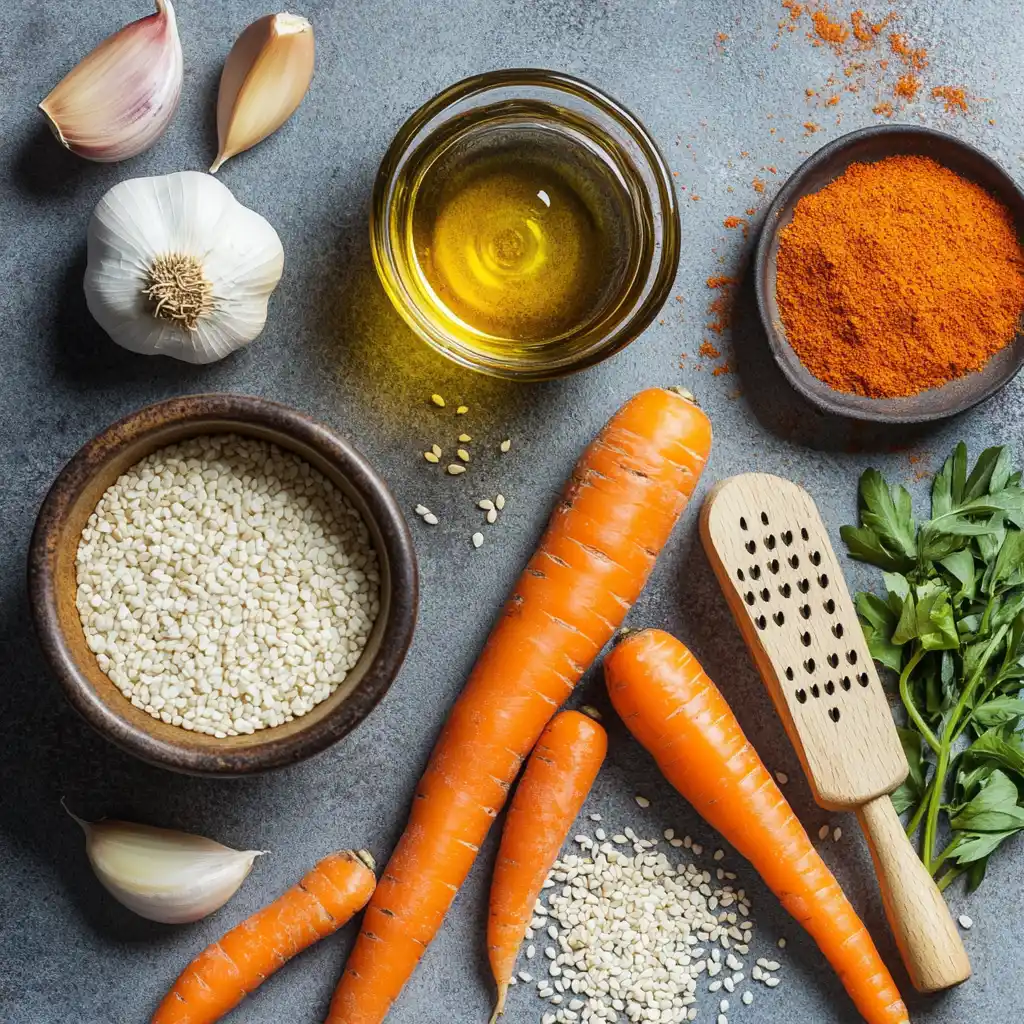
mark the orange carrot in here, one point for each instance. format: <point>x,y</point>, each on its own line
<point>678,714</point>
<point>226,972</point>
<point>555,782</point>
<point>624,497</point>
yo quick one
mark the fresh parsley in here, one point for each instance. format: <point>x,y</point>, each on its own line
<point>951,626</point>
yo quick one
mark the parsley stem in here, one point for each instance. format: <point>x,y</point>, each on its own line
<point>908,700</point>
<point>941,859</point>
<point>915,821</point>
<point>950,876</point>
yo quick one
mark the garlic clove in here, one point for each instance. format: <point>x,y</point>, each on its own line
<point>120,98</point>
<point>162,874</point>
<point>265,77</point>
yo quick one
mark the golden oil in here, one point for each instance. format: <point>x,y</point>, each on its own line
<point>519,232</point>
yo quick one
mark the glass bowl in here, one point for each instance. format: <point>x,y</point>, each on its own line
<point>530,100</point>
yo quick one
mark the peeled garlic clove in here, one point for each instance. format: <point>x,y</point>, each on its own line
<point>119,99</point>
<point>265,77</point>
<point>162,874</point>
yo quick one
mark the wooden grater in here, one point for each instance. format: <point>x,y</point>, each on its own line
<point>771,552</point>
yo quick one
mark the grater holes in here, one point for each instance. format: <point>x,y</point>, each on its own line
<point>803,585</point>
<point>805,639</point>
<point>760,622</point>
<point>743,523</point>
<point>769,542</point>
<point>845,682</point>
<point>773,565</point>
<point>809,666</point>
<point>815,690</point>
<point>787,537</point>
<point>851,656</point>
<point>764,518</point>
<point>766,595</point>
<point>801,696</point>
<point>778,618</point>
<point>815,557</point>
<point>751,546</point>
<point>833,713</point>
<point>837,631</point>
<point>805,611</point>
<point>830,687</point>
<point>830,607</point>
<point>823,580</point>
<point>794,561</point>
<point>804,534</point>
<point>740,575</point>
<point>833,660</point>
<point>789,674</point>
<point>863,679</point>
<point>749,597</point>
<point>755,572</point>
<point>785,590</point>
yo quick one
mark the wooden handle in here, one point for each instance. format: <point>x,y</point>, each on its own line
<point>925,933</point>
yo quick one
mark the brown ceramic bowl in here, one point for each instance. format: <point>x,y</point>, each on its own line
<point>52,584</point>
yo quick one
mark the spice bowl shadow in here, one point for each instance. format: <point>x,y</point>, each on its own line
<point>869,145</point>
<point>52,584</point>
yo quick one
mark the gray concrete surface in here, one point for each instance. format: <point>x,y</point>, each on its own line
<point>334,348</point>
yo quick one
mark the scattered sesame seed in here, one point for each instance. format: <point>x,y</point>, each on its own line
<point>722,1019</point>
<point>697,849</point>
<point>595,817</point>
<point>782,943</point>
<point>552,931</point>
<point>455,469</point>
<point>506,444</point>
<point>642,801</point>
<point>965,922</point>
<point>499,502</point>
<point>462,454</point>
<point>422,510</point>
<point>462,410</point>
<point>675,842</point>
<point>837,834</point>
<point>430,519</point>
<point>771,982</point>
<point>485,503</point>
<point>719,854</point>
<point>531,952</point>
<point>600,835</point>
<point>715,986</point>
<point>823,832</point>
<point>478,539</point>
<point>670,834</point>
<point>620,839</point>
<point>782,777</point>
<point>724,1006</point>
<point>588,709</point>
<point>747,998</point>
<point>436,449</point>
<point>492,515</point>
<point>525,976</point>
<point>437,400</point>
<point>431,457</point>
<point>465,438</point>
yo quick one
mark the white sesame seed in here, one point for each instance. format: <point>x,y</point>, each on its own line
<point>965,922</point>
<point>600,835</point>
<point>436,449</point>
<point>552,931</point>
<point>499,502</point>
<point>719,854</point>
<point>437,400</point>
<point>422,510</point>
<point>715,986</point>
<point>782,943</point>
<point>462,454</point>
<point>526,977</point>
<point>669,834</point>
<point>431,457</point>
<point>595,817</point>
<point>782,777</point>
<point>548,1018</point>
<point>455,469</point>
<point>531,952</point>
<point>506,445</point>
<point>642,801</point>
<point>724,1006</point>
<point>722,1019</point>
<point>697,849</point>
<point>771,982</point>
<point>430,518</point>
<point>485,503</point>
<point>465,438</point>
<point>492,516</point>
<point>478,539</point>
<point>823,832</point>
<point>772,965</point>
<point>837,834</point>
<point>747,998</point>
<point>462,410</point>
<point>675,842</point>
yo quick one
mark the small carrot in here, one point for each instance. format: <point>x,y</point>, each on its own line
<point>662,694</point>
<point>555,782</point>
<point>226,972</point>
<point>617,512</point>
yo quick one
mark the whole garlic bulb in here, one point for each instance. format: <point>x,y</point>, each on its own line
<point>178,267</point>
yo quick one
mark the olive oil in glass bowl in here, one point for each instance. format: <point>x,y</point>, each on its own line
<point>525,225</point>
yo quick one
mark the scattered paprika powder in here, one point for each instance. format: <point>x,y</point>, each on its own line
<point>899,276</point>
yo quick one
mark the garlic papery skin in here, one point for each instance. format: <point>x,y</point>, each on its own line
<point>178,267</point>
<point>162,874</point>
<point>119,99</point>
<point>265,77</point>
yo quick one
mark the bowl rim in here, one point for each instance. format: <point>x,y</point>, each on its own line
<point>663,200</point>
<point>778,341</point>
<point>223,408</point>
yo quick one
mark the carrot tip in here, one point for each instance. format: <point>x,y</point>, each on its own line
<point>499,1009</point>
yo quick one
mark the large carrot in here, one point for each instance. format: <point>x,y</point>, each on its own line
<point>678,714</point>
<point>226,972</point>
<point>625,495</point>
<point>555,782</point>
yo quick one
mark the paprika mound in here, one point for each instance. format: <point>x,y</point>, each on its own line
<point>899,276</point>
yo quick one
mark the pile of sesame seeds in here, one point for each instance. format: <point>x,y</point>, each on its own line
<point>632,933</point>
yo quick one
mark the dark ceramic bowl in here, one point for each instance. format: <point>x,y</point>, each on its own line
<point>868,146</point>
<point>52,584</point>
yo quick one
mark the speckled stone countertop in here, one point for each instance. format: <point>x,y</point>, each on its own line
<point>724,90</point>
